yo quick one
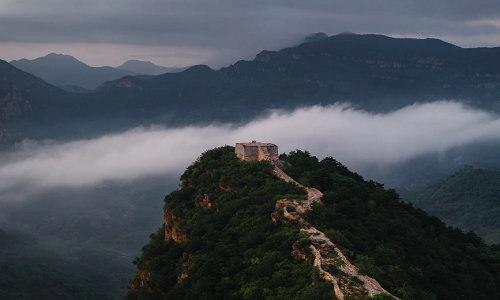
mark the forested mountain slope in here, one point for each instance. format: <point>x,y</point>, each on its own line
<point>469,199</point>
<point>219,240</point>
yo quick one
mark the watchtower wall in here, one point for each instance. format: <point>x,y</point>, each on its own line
<point>256,151</point>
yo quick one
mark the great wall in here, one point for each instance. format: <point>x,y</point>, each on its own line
<point>346,281</point>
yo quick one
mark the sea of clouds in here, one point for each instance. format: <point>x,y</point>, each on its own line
<point>352,136</point>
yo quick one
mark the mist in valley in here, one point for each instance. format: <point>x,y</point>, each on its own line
<point>87,175</point>
<point>357,138</point>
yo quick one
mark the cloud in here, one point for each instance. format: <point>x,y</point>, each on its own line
<point>238,29</point>
<point>352,136</point>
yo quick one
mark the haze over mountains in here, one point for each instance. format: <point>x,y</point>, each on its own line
<point>147,68</point>
<point>67,72</point>
<point>61,70</point>
<point>373,72</point>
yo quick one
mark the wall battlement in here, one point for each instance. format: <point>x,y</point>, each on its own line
<point>256,151</point>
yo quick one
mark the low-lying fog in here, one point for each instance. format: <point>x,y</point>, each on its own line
<point>354,137</point>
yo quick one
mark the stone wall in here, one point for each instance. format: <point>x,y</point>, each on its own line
<point>253,151</point>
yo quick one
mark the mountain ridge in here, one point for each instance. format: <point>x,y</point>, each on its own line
<point>219,240</point>
<point>61,70</point>
<point>373,72</point>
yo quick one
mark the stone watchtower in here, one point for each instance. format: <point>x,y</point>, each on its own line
<point>256,151</point>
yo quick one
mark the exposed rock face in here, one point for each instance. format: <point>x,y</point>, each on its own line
<point>203,201</point>
<point>172,229</point>
<point>186,266</point>
<point>227,188</point>
<point>140,278</point>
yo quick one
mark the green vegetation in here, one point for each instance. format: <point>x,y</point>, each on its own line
<point>412,254</point>
<point>233,249</point>
<point>469,199</point>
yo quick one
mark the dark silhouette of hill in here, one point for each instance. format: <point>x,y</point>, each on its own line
<point>74,89</point>
<point>468,199</point>
<point>61,70</point>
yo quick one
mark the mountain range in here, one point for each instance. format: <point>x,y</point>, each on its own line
<point>374,72</point>
<point>67,72</point>
<point>64,70</point>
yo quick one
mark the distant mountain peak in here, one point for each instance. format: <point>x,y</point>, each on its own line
<point>63,70</point>
<point>53,54</point>
<point>346,33</point>
<point>50,58</point>
<point>147,67</point>
<point>315,37</point>
<point>135,62</point>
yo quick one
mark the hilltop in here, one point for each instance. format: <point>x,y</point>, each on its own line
<point>228,234</point>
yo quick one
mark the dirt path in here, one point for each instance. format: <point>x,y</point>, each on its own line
<point>328,258</point>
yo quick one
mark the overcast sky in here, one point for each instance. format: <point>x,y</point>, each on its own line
<point>220,32</point>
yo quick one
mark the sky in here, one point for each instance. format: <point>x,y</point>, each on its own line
<point>354,137</point>
<point>220,32</point>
